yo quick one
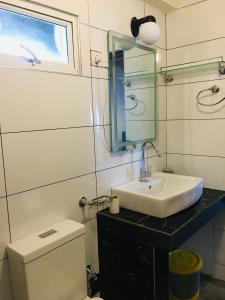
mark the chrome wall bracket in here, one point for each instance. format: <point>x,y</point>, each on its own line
<point>221,68</point>
<point>96,201</point>
<point>168,78</point>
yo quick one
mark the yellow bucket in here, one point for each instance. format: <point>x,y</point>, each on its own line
<point>185,268</point>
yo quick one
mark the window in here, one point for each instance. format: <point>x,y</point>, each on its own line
<point>37,40</point>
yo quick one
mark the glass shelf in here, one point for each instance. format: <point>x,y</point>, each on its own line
<point>139,75</point>
<point>168,72</point>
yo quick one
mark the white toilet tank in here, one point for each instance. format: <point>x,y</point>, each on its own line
<point>50,264</point>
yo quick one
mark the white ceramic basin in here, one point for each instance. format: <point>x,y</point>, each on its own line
<point>164,195</point>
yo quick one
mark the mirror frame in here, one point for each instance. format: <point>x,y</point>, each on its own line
<point>116,145</point>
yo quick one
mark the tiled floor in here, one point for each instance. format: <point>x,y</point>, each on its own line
<point>212,289</point>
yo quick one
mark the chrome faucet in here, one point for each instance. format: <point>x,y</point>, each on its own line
<point>145,170</point>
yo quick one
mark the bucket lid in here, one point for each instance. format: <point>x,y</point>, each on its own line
<point>185,262</point>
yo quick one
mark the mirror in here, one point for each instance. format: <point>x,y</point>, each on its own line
<point>132,92</point>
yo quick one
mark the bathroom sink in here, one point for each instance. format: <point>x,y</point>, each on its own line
<point>164,195</point>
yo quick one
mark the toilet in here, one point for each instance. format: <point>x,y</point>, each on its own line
<point>50,264</point>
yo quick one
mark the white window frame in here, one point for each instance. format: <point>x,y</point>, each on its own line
<point>71,22</point>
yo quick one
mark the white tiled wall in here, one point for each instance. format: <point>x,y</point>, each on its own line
<point>195,134</point>
<point>197,17</point>
<point>78,7</point>
<point>60,97</point>
<point>45,157</point>
<point>41,207</point>
<point>4,229</point>
<point>115,15</point>
<point>53,141</point>
<point>2,182</point>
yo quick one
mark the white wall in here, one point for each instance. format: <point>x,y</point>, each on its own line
<point>52,136</point>
<point>195,135</point>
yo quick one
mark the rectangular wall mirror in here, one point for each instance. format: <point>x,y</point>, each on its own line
<point>132,92</point>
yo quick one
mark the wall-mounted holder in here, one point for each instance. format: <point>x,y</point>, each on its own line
<point>96,201</point>
<point>170,71</point>
<point>221,68</point>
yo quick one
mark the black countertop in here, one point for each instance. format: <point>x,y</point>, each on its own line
<point>168,233</point>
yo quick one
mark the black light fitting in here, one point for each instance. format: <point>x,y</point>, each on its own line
<point>136,23</point>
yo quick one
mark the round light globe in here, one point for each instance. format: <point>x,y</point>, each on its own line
<point>149,33</point>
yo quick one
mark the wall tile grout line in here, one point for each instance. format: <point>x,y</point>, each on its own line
<point>219,228</point>
<point>106,31</point>
<point>219,263</point>
<point>64,128</point>
<point>166,37</point>
<point>92,106</point>
<point>209,119</point>
<point>88,220</point>
<point>195,82</point>
<point>128,163</point>
<point>198,61</point>
<point>6,192</point>
<point>146,88</point>
<point>197,155</point>
<point>43,71</point>
<point>140,120</point>
<point>47,129</point>
<point>76,177</point>
<point>52,183</point>
<point>51,72</point>
<point>197,43</point>
<point>185,6</point>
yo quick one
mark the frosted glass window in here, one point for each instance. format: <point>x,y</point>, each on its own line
<point>38,37</point>
<point>21,35</point>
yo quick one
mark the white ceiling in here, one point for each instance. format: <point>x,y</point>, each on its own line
<point>165,5</point>
<point>169,5</point>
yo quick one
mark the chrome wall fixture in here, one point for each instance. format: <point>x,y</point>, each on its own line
<point>214,90</point>
<point>96,201</point>
<point>145,29</point>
